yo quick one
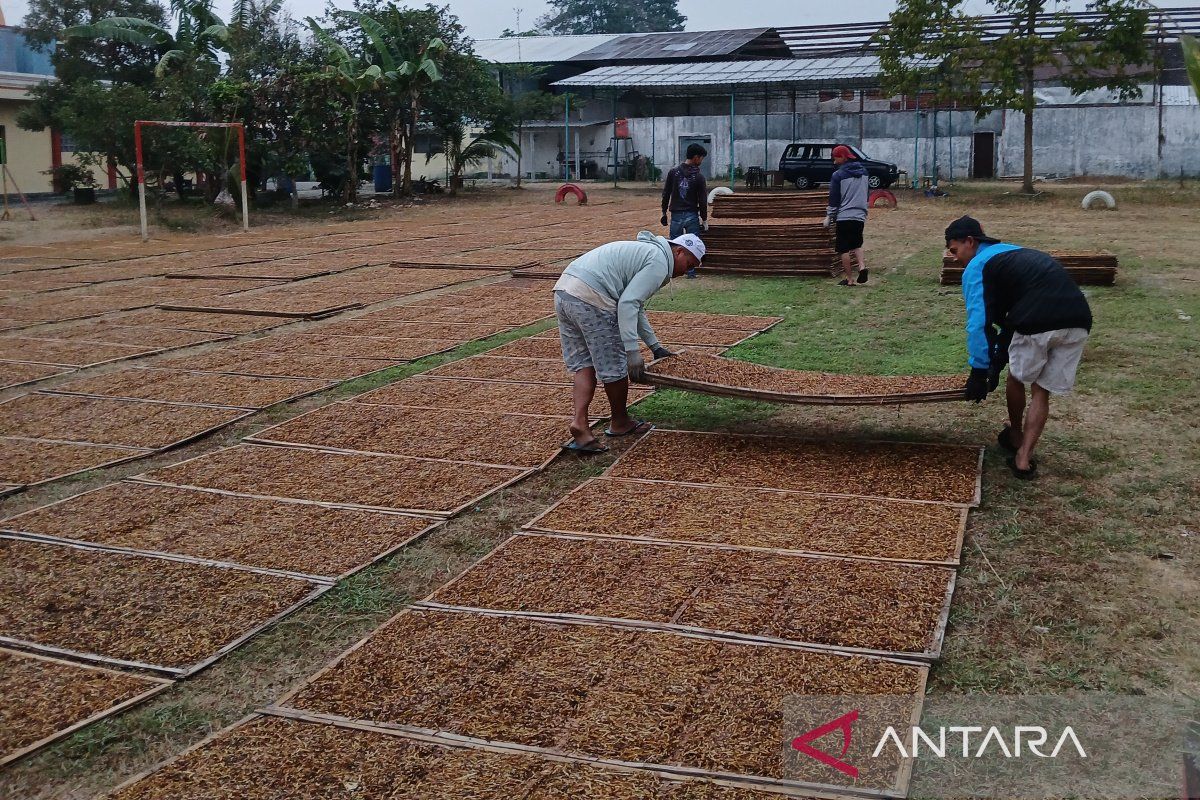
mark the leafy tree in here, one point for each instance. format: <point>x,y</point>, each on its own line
<point>611,16</point>
<point>260,89</point>
<point>83,59</point>
<point>936,46</point>
<point>469,99</point>
<point>98,118</point>
<point>353,79</point>
<point>410,67</point>
<point>527,104</point>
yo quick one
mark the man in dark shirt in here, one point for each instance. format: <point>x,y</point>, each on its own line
<point>686,196</point>
<point>1043,321</point>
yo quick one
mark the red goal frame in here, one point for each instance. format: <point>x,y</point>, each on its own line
<point>141,173</point>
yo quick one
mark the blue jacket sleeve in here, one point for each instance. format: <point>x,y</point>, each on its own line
<point>978,349</point>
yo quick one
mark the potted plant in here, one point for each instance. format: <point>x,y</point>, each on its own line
<point>77,179</point>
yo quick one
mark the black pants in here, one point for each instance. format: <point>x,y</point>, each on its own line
<point>849,235</point>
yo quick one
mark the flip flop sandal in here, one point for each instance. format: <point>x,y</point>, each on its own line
<point>862,275</point>
<point>641,426</point>
<point>844,283</point>
<point>1023,474</point>
<point>590,449</point>
<point>1002,439</point>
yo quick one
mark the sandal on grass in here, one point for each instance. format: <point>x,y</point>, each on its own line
<point>1004,440</point>
<point>590,449</point>
<point>1022,474</point>
<point>639,426</point>
<point>862,275</point>
<point>844,282</point>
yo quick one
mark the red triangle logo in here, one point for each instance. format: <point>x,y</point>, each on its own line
<point>842,723</point>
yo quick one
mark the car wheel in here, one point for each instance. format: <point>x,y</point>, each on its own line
<point>874,181</point>
<point>802,183</point>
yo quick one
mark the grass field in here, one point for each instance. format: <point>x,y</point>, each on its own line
<point>1083,580</point>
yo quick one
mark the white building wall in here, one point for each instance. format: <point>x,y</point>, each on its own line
<point>1068,141</point>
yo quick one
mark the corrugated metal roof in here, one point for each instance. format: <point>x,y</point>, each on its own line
<point>686,44</point>
<point>538,49</point>
<point>811,72</point>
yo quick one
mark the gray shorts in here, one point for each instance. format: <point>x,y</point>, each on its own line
<point>590,337</point>
<point>1048,359</point>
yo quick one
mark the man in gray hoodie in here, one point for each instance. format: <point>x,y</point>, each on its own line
<point>600,302</point>
<point>848,192</point>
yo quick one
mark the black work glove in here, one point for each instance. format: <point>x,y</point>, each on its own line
<point>977,384</point>
<point>661,352</point>
<point>999,358</point>
<point>663,221</point>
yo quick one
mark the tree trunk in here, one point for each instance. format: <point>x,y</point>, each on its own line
<point>520,144</point>
<point>1028,99</point>
<point>351,192</point>
<point>396,135</point>
<point>414,111</point>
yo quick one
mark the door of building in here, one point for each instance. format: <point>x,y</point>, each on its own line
<point>983,163</point>
<point>703,141</point>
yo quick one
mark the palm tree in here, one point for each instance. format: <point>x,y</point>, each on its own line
<point>352,79</point>
<point>408,71</point>
<point>461,153</point>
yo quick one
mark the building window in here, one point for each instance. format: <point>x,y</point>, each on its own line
<point>67,144</point>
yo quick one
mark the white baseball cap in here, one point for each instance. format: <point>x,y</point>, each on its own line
<point>692,243</point>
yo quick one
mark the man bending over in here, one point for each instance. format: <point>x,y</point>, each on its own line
<point>1043,321</point>
<point>600,304</point>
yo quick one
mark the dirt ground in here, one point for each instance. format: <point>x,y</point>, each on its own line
<point>1085,580</point>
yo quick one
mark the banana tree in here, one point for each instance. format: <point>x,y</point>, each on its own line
<point>409,69</point>
<point>1191,58</point>
<point>353,79</point>
<point>192,50</point>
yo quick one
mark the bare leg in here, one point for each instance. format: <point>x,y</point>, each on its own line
<point>860,259</point>
<point>1035,422</point>
<point>618,401</point>
<point>848,266</point>
<point>1014,394</point>
<point>582,392</point>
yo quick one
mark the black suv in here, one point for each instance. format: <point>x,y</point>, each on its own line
<point>807,165</point>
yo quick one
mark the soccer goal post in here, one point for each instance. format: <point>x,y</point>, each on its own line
<point>141,172</point>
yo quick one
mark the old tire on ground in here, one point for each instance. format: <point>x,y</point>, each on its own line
<point>1090,198</point>
<point>570,188</point>
<point>720,190</point>
<point>802,183</point>
<point>887,197</point>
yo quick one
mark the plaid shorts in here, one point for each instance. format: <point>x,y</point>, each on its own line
<point>590,337</point>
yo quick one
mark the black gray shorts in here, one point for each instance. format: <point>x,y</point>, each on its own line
<point>849,235</point>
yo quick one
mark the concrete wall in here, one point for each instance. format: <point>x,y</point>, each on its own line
<point>1069,141</point>
<point>28,152</point>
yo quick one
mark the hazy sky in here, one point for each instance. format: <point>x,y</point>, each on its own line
<point>486,18</point>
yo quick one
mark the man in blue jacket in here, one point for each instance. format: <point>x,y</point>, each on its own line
<point>848,192</point>
<point>600,302</point>
<point>1023,309</point>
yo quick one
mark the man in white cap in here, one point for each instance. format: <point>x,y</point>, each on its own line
<point>600,302</point>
